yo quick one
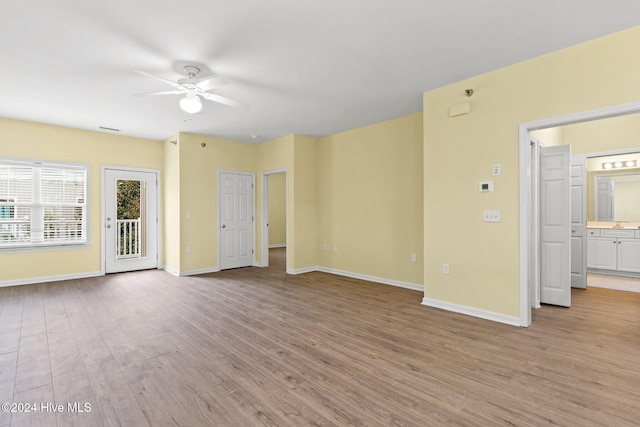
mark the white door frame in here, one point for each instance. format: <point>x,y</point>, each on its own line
<point>264,232</point>
<point>253,211</point>
<point>581,281</point>
<point>103,201</point>
<point>534,254</point>
<point>525,198</point>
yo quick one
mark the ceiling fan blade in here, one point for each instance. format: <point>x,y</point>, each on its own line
<point>169,82</point>
<point>212,83</point>
<point>166,92</point>
<point>223,100</point>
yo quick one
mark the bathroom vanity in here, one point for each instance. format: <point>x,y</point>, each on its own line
<point>613,248</point>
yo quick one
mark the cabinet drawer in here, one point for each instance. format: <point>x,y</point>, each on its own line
<point>594,232</point>
<point>614,232</point>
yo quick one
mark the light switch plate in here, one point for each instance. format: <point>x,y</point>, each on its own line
<point>496,169</point>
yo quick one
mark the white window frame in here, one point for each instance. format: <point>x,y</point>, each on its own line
<point>59,245</point>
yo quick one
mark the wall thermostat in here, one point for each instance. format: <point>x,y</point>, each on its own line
<point>486,187</point>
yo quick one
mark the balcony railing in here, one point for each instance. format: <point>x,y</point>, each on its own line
<point>128,238</point>
<point>15,230</point>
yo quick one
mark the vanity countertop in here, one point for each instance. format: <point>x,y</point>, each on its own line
<point>614,225</point>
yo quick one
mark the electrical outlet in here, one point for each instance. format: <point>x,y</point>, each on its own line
<point>445,268</point>
<point>335,248</point>
<point>188,249</point>
<point>324,246</point>
<point>491,216</point>
<point>414,258</point>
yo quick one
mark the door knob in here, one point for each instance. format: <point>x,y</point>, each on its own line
<point>224,226</point>
<point>108,225</point>
<point>573,230</point>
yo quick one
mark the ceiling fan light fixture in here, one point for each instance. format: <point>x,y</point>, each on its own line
<point>191,104</point>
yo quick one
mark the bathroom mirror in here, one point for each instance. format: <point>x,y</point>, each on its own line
<point>616,197</point>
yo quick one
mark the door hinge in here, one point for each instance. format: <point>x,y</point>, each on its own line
<point>251,218</point>
<point>251,250</point>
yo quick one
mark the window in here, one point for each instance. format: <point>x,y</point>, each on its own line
<point>42,204</point>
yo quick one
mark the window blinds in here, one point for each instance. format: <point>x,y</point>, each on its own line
<point>42,204</point>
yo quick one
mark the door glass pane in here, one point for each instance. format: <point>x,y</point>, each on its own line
<point>130,220</point>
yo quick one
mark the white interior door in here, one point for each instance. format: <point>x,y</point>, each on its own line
<point>555,227</point>
<point>235,200</point>
<point>130,220</point>
<point>578,222</point>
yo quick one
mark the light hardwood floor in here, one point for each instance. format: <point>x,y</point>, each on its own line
<point>255,346</point>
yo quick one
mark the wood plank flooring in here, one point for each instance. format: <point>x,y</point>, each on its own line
<point>256,347</point>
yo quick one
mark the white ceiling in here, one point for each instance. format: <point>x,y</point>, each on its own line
<point>313,67</point>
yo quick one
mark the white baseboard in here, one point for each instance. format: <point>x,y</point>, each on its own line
<point>471,311</point>
<point>45,279</point>
<point>398,283</point>
<point>191,272</point>
<point>171,271</point>
<point>279,245</point>
<point>407,285</point>
<point>303,270</point>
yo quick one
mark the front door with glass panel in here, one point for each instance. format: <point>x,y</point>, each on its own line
<point>130,220</point>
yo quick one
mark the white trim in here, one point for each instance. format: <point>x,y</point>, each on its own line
<point>55,246</point>
<point>384,281</point>
<point>171,271</point>
<point>524,179</point>
<point>280,245</point>
<point>198,271</point>
<point>471,311</point>
<point>303,270</point>
<point>391,282</point>
<point>534,224</point>
<point>46,279</point>
<point>613,273</point>
<point>611,153</point>
<point>264,230</point>
<point>103,201</point>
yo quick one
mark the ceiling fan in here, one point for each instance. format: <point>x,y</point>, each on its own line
<point>193,88</point>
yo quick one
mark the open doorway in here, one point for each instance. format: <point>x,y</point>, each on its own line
<point>274,214</point>
<point>528,239</point>
<point>606,252</point>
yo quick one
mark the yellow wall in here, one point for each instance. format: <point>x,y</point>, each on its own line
<point>304,201</point>
<point>370,200</point>
<point>615,133</point>
<point>199,168</point>
<point>484,257</point>
<point>39,141</point>
<point>277,210</point>
<point>550,136</point>
<point>171,204</point>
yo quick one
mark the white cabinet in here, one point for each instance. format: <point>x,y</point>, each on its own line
<point>614,249</point>
<point>629,255</point>
<point>602,253</point>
